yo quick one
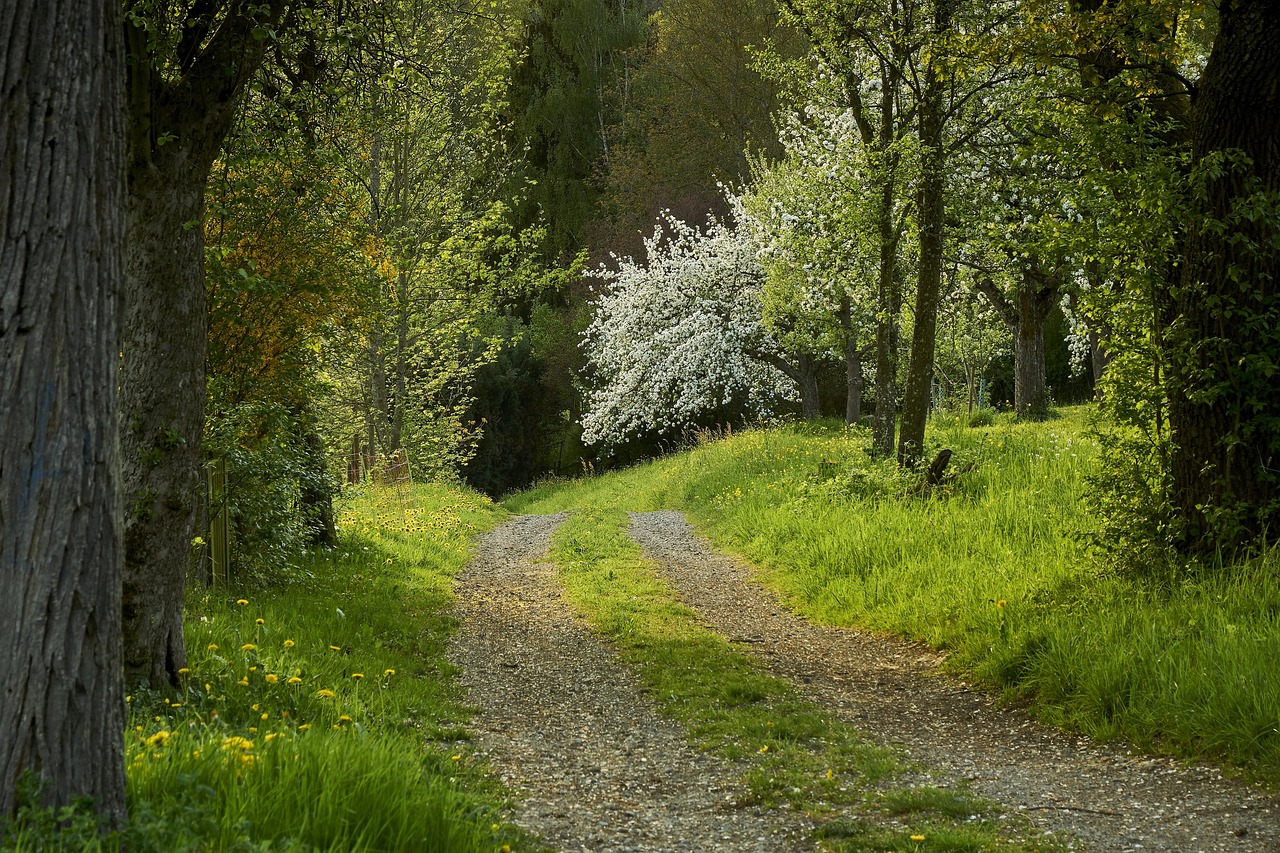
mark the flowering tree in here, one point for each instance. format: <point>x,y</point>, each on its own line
<point>680,336</point>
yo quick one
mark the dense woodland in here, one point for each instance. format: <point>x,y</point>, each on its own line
<point>498,242</point>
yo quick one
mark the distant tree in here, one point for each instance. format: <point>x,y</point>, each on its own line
<point>61,255</point>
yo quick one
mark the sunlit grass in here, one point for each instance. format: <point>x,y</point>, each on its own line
<point>996,568</point>
<point>321,715</point>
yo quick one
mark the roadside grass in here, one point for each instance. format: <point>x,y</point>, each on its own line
<point>318,715</point>
<point>793,754</point>
<point>995,568</point>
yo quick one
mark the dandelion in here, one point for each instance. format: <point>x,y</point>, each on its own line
<point>213,647</point>
<point>288,644</point>
<point>272,678</point>
<point>336,648</point>
<point>236,742</point>
<point>244,682</point>
<point>265,715</point>
<point>917,838</point>
<point>388,672</point>
<point>184,671</point>
<point>357,675</point>
<point>325,693</point>
<point>304,727</point>
<point>1001,603</point>
<point>344,719</point>
<point>764,748</point>
<point>270,737</point>
<point>160,738</point>
<point>254,706</point>
<point>259,621</point>
<point>293,679</point>
<point>242,601</point>
<point>248,647</point>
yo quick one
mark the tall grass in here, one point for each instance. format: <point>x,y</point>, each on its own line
<point>995,568</point>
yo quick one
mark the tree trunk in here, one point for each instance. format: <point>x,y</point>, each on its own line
<point>854,383</point>
<point>931,213</point>
<point>176,126</point>
<point>810,403</point>
<point>61,245</point>
<point>1030,397</point>
<point>889,290</point>
<point>162,387</point>
<point>1221,347</point>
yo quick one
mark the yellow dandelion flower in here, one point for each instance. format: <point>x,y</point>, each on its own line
<point>253,728</point>
<point>242,601</point>
<point>244,682</point>
<point>159,738</point>
<point>265,714</point>
<point>325,693</point>
<point>259,621</point>
<point>1001,603</point>
<point>389,672</point>
<point>344,719</point>
<point>293,679</point>
<point>455,758</point>
<point>236,742</point>
<point>272,678</point>
<point>253,669</point>
<point>213,647</point>
<point>304,727</point>
<point>254,706</point>
<point>248,647</point>
<point>184,671</point>
<point>764,748</point>
<point>917,838</point>
<point>270,737</point>
<point>336,648</point>
<point>357,675</point>
<point>288,644</point>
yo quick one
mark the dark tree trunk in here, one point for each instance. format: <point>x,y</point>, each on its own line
<point>61,246</point>
<point>888,310</point>
<point>854,383</point>
<point>931,213</point>
<point>1222,344</point>
<point>803,372</point>
<point>1026,317</point>
<point>175,129</point>
<point>162,387</point>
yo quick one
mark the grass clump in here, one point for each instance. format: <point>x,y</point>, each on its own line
<point>994,567</point>
<point>319,715</point>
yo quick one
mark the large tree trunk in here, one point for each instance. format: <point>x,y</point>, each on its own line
<point>1222,345</point>
<point>176,126</point>
<point>162,386</point>
<point>61,241</point>
<point>888,310</point>
<point>931,213</point>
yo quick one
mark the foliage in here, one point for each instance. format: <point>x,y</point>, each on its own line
<point>678,338</point>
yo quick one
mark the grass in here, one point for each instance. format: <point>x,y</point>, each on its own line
<point>996,570</point>
<point>319,715</point>
<point>790,752</point>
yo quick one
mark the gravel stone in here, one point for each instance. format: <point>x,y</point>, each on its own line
<point>594,766</point>
<point>1093,796</point>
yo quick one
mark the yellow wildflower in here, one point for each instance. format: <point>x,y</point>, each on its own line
<point>213,647</point>
<point>304,727</point>
<point>357,675</point>
<point>237,742</point>
<point>248,647</point>
<point>293,679</point>
<point>244,682</point>
<point>272,678</point>
<point>259,621</point>
<point>344,719</point>
<point>183,671</point>
<point>917,838</point>
<point>325,693</point>
<point>389,672</point>
<point>288,644</point>
<point>159,738</point>
<point>336,648</point>
<point>242,601</point>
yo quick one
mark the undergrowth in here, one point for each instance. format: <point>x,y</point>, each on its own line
<point>994,567</point>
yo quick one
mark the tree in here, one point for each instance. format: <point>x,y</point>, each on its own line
<point>187,69</point>
<point>680,338</point>
<point>1223,335</point>
<point>61,246</point>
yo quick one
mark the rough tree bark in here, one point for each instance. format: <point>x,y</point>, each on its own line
<point>1026,315</point>
<point>1225,335</point>
<point>61,241</point>
<point>180,109</point>
<point>931,211</point>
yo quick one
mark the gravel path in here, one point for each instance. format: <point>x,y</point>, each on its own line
<point>1105,798</point>
<point>594,765</point>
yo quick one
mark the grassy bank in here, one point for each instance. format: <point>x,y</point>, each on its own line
<point>996,570</point>
<point>318,715</point>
